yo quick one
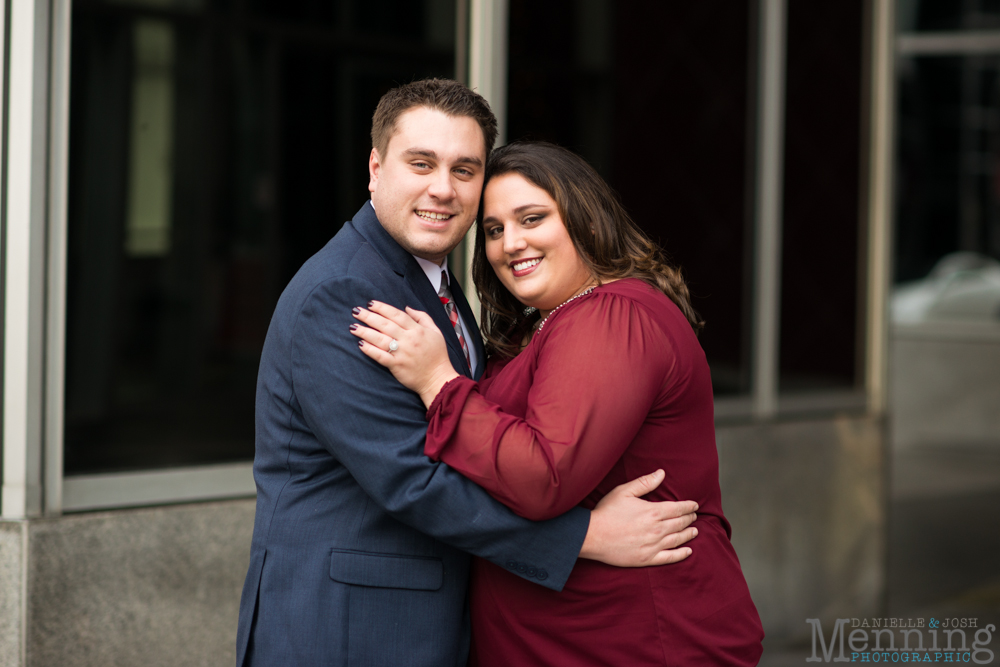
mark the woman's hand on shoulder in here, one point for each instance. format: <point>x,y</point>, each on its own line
<point>420,359</point>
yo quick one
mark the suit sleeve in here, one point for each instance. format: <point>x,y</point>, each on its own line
<point>376,428</point>
<point>599,367</point>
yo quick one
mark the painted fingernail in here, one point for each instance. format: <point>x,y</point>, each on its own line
<point>355,310</point>
<point>371,303</point>
<point>361,343</point>
<point>353,327</point>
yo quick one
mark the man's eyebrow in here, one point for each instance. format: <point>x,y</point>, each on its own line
<point>420,152</point>
<point>431,155</point>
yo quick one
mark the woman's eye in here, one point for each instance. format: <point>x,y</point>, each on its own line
<point>532,219</point>
<point>493,232</point>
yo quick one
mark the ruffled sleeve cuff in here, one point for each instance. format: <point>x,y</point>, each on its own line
<point>445,413</point>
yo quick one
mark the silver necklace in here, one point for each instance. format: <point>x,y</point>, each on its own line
<point>541,322</point>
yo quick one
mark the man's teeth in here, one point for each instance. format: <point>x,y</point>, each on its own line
<point>521,266</point>
<point>430,215</point>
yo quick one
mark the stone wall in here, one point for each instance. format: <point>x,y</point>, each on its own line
<point>945,388</point>
<point>161,586</point>
<point>11,596</point>
<point>154,586</point>
<point>807,503</point>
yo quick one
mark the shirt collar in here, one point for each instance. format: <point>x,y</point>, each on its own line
<point>433,271</point>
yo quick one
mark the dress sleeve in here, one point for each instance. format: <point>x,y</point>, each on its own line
<point>599,367</point>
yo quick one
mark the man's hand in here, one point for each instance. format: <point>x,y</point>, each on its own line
<point>627,531</point>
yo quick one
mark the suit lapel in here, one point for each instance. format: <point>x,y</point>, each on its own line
<point>470,323</point>
<point>402,263</point>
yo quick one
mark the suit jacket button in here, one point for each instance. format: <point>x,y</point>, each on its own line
<point>532,571</point>
<point>542,575</point>
<point>512,565</point>
<point>522,568</point>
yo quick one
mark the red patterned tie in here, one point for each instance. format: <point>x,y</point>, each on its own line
<point>449,307</point>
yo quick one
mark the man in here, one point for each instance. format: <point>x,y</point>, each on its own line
<point>361,543</point>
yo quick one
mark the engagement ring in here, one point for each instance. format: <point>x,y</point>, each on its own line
<point>393,345</point>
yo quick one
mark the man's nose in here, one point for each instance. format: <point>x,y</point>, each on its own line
<point>441,186</point>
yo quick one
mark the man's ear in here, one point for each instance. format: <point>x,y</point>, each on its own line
<point>374,166</point>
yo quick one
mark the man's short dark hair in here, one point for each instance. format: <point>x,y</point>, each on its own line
<point>445,95</point>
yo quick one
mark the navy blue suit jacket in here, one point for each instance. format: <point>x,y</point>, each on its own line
<point>360,552</point>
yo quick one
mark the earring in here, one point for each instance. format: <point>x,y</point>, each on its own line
<point>529,310</point>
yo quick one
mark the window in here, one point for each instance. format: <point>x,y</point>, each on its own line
<point>821,324</point>
<point>948,145</point>
<point>946,296</point>
<point>214,146</point>
<point>664,100</point>
<point>655,96</point>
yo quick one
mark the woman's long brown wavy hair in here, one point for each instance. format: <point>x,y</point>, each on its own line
<point>606,238</point>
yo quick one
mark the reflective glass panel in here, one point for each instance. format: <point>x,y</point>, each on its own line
<point>823,196</point>
<point>947,15</point>
<point>214,146</point>
<point>948,190</point>
<point>655,96</point>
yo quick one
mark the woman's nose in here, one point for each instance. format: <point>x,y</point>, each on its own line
<point>513,242</point>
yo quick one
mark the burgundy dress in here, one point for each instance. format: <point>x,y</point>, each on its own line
<point>613,387</point>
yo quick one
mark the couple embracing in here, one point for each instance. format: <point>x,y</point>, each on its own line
<point>412,481</point>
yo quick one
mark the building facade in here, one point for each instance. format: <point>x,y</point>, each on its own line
<point>168,164</point>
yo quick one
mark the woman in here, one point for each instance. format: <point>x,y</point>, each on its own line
<point>601,379</point>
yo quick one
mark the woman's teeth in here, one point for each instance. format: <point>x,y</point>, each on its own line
<point>521,266</point>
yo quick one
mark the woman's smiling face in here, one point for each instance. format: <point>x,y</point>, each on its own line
<point>528,246</point>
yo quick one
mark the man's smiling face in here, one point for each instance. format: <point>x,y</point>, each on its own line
<point>426,188</point>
